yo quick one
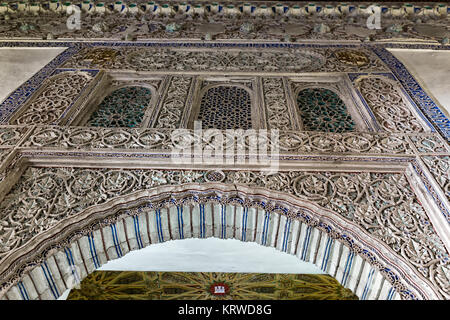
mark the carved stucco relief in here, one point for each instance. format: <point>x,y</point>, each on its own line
<point>170,113</point>
<point>4,153</point>
<point>339,86</point>
<point>207,211</point>
<point>285,22</point>
<point>290,141</point>
<point>389,105</point>
<point>439,166</point>
<point>12,135</point>
<point>383,204</point>
<point>56,96</point>
<point>288,60</point>
<point>223,211</point>
<point>207,82</point>
<point>170,59</point>
<point>429,143</point>
<point>278,113</point>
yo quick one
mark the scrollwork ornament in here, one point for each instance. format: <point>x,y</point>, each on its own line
<point>59,93</point>
<point>174,104</point>
<point>389,106</point>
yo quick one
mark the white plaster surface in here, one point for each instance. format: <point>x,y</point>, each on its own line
<point>431,68</point>
<point>209,255</point>
<point>17,65</point>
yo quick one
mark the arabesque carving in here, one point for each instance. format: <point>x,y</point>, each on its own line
<point>289,141</point>
<point>389,106</point>
<point>391,185</point>
<point>172,108</point>
<point>381,203</point>
<point>58,94</point>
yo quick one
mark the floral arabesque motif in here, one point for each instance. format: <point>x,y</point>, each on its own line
<point>172,108</point>
<point>59,93</point>
<point>439,167</point>
<point>381,203</point>
<point>278,116</point>
<point>390,108</point>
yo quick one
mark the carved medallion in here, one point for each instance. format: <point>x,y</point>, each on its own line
<point>219,289</point>
<point>352,57</point>
<point>100,56</point>
<point>215,176</point>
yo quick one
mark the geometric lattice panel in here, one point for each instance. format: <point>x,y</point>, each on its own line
<point>226,108</point>
<point>124,107</point>
<point>323,110</point>
<point>130,285</point>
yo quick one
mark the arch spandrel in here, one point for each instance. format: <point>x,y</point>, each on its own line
<point>57,95</point>
<point>157,211</point>
<point>390,106</point>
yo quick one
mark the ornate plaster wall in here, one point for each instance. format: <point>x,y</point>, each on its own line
<point>378,198</point>
<point>368,152</point>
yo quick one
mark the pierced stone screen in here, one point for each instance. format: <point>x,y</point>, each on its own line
<point>226,108</point>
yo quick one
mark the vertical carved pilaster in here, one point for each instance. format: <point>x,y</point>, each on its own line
<point>292,105</point>
<point>173,107</point>
<point>192,105</point>
<point>278,116</point>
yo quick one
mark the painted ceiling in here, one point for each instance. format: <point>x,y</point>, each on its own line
<point>130,285</point>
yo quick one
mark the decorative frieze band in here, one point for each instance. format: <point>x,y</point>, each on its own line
<point>262,8</point>
<point>383,203</point>
<point>289,22</point>
<point>234,58</point>
<point>91,138</point>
